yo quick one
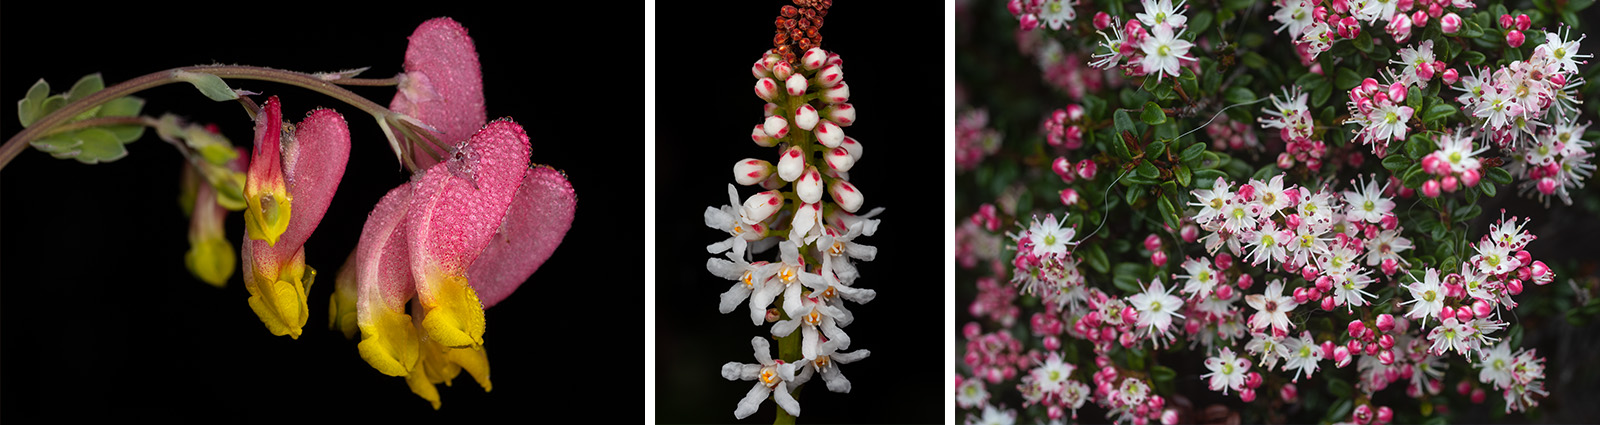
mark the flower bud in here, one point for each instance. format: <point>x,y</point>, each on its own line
<point>1430,188</point>
<point>1247,395</point>
<point>1450,23</point>
<point>839,159</point>
<point>1310,272</point>
<point>1506,21</point>
<point>1086,169</point>
<point>850,144</point>
<point>767,89</point>
<point>1029,22</point>
<point>1152,242</point>
<point>1523,22</point>
<point>1449,184</point>
<point>1285,161</point>
<point>1385,414</point>
<point>1465,313</point>
<point>1387,358</point>
<point>830,76</point>
<point>837,94</point>
<point>809,186</point>
<point>751,171</point>
<point>1397,92</point>
<point>772,316</point>
<point>1341,357</point>
<point>759,69</point>
<point>1063,168</point>
<point>1224,260</point>
<point>776,126</point>
<point>1477,393</point>
<point>760,206</point>
<point>842,114</point>
<point>1169,417</point>
<point>1224,292</point>
<point>1327,303</point>
<point>1069,197</point>
<point>1101,20</point>
<point>1190,233</point>
<point>1385,322</point>
<point>1159,258</point>
<point>1252,379</point>
<point>782,71</point>
<point>814,58</point>
<point>1470,178</point>
<point>846,195</point>
<point>1514,38</point>
<point>1301,295</point>
<point>829,134</point>
<point>1355,327</point>
<point>805,117</point>
<point>1425,73</point>
<point>1419,18</point>
<point>1051,343</point>
<point>1245,281</point>
<point>796,84</point>
<point>1362,414</point>
<point>791,163</point>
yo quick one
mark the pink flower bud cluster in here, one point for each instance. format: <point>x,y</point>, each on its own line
<point>1050,385</point>
<point>1381,112</point>
<point>976,244</point>
<point>974,139</point>
<point>1293,120</point>
<point>1127,399</point>
<point>995,302</point>
<point>1030,14</point>
<point>1044,265</point>
<point>1063,129</point>
<point>1228,134</point>
<point>994,357</point>
<point>1151,44</point>
<point>1555,163</point>
<point>1453,166</point>
<point>1066,71</point>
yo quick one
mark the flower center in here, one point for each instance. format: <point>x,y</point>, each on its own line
<point>749,279</point>
<point>1266,239</point>
<point>1269,198</point>
<point>1561,53</point>
<point>1155,306</point>
<point>1055,375</point>
<point>769,376</point>
<point>1049,240</point>
<point>823,362</point>
<point>829,293</point>
<point>1369,206</point>
<point>787,274</point>
<point>1305,351</point>
<point>1161,17</point>
<point>1271,306</point>
<point>1306,240</point>
<point>1238,213</point>
<point>814,318</point>
<point>1227,368</point>
<point>1216,203</point>
<point>1499,364</point>
<point>1392,118</point>
<point>737,230</point>
<point>837,249</point>
<point>1493,260</point>
<point>1163,51</point>
<point>1055,7</point>
<point>1205,276</point>
<point>1428,295</point>
<point>1455,157</point>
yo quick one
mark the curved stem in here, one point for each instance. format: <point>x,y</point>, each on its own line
<point>392,81</point>
<point>98,122</point>
<point>49,123</point>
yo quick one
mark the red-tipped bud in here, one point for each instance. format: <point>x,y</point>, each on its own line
<point>1224,261</point>
<point>1514,286</point>
<point>1245,280</point>
<point>1152,242</point>
<point>1309,272</point>
<point>1341,357</point>
<point>1327,303</point>
<point>814,58</point>
<point>1385,414</point>
<point>1430,188</point>
<point>759,69</point>
<point>850,144</point>
<point>1385,322</point>
<point>1355,328</point>
<point>1102,20</point>
<point>829,134</point>
<point>1252,379</point>
<point>842,114</point>
<point>1470,178</point>
<point>1086,169</point>
<point>1063,168</point>
<point>1247,395</point>
<point>1515,38</point>
<point>830,76</point>
<point>1506,21</point>
<point>1324,283</point>
<point>1190,233</point>
<point>809,186</point>
<point>1159,258</point>
<point>1449,184</point>
<point>805,117</point>
<point>791,163</point>
<point>846,195</point>
<point>839,159</point>
<point>782,71</point>
<point>751,171</point>
<point>760,136</point>
<point>1523,22</point>
<point>1224,292</point>
<point>1478,395</point>
<point>1361,415</point>
<point>796,84</point>
<point>1385,341</point>
<point>1069,197</point>
<point>1397,92</point>
<point>837,94</point>
<point>776,126</point>
<point>1482,309</point>
<point>767,89</point>
<point>760,206</point>
<point>1387,358</point>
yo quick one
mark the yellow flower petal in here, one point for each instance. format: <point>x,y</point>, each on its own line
<point>455,318</point>
<point>389,343</point>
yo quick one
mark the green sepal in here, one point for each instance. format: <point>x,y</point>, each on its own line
<point>210,85</point>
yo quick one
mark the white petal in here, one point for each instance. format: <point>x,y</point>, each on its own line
<point>752,401</point>
<point>791,299</point>
<point>725,269</point>
<point>735,371</point>
<point>786,401</point>
<point>785,327</point>
<point>762,349</point>
<point>732,298</point>
<point>717,219</point>
<point>721,247</point>
<point>808,345</point>
<point>836,380</point>
<point>861,252</point>
<point>833,332</point>
<point>860,296</point>
<point>850,357</point>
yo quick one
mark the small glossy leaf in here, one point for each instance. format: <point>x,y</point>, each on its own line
<point>1202,21</point>
<point>1153,115</point>
<point>1146,170</point>
<point>1438,112</point>
<point>1127,277</point>
<point>85,86</point>
<point>1499,175</point>
<point>1183,175</point>
<point>1346,78</point>
<point>1396,162</point>
<point>1095,256</point>
<point>1489,189</point>
<point>1418,146</point>
<point>1163,373</point>
<point>1191,153</point>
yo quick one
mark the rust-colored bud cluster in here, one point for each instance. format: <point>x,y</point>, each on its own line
<point>799,28</point>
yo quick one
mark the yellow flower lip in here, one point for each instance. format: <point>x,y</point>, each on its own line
<point>455,318</point>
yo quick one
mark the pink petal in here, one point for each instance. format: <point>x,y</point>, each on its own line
<point>538,219</point>
<point>442,84</point>
<point>457,205</point>
<point>382,273</point>
<point>313,164</point>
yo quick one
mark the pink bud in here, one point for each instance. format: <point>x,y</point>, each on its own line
<point>1341,357</point>
<point>1247,395</point>
<point>1362,414</point>
<point>1224,292</point>
<point>1190,233</point>
<point>1063,168</point>
<point>1385,341</point>
<point>760,136</point>
<point>1435,10</point>
<point>1385,322</point>
<point>1327,303</point>
<point>1425,73</point>
<point>1074,112</point>
<point>1252,380</point>
<point>1074,137</point>
<point>1309,272</point>
<point>782,71</point>
<point>1430,164</point>
<point>796,84</point>
<point>1419,18</point>
<point>767,89</point>
<point>1523,257</point>
<point>1397,92</point>
<point>1387,358</point>
<point>1385,414</point>
<point>777,127</point>
<point>1482,309</point>
<point>1450,23</point>
<point>1029,22</point>
<point>1289,393</point>
<point>1478,394</point>
<point>1559,79</point>
<point>1430,188</point>
<point>1051,343</point>
<point>846,195</point>
<point>1069,197</point>
<point>1169,417</point>
<point>1102,20</point>
<point>1372,347</point>
<point>842,114</point>
<point>1353,346</point>
<point>1514,286</point>
<point>759,69</point>
<point>1245,280</point>
<point>751,171</point>
<point>1463,387</point>
<point>1086,169</point>
<point>1152,242</point>
<point>1470,178</point>
<point>1129,315</point>
<point>1523,22</point>
<point>1301,296</point>
<point>1224,261</point>
<point>1449,184</point>
<point>1465,313</point>
<point>791,163</point>
<point>1355,327</point>
<point>1390,266</point>
<point>1159,258</point>
<point>1369,86</point>
<point>1514,38</point>
<point>1324,283</point>
<point>1506,21</point>
<point>1389,222</point>
<point>1285,161</point>
<point>761,205</point>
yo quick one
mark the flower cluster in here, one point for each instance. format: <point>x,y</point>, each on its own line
<point>806,287</point>
<point>974,139</point>
<point>1150,44</point>
<point>1381,112</point>
<point>1454,165</point>
<point>1044,265</point>
<point>1293,120</point>
<point>1057,14</point>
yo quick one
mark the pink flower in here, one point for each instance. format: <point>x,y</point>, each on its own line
<point>442,86</point>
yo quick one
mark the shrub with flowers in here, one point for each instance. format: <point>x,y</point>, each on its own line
<point>1307,257</point>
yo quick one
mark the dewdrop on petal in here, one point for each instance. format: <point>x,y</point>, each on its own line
<point>751,171</point>
<point>846,195</point>
<point>839,159</point>
<point>829,134</point>
<point>809,187</point>
<point>837,94</point>
<point>761,206</point>
<point>776,126</point>
<point>796,85</point>
<point>805,117</point>
<point>767,89</point>
<point>791,163</point>
<point>843,114</point>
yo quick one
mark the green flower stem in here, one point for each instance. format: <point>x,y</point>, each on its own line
<point>48,124</point>
<point>788,351</point>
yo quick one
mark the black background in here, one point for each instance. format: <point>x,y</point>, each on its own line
<point>893,61</point>
<point>102,320</point>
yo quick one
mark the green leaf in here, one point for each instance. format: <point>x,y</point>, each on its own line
<point>1380,53</point>
<point>1498,175</point>
<point>1095,256</point>
<point>1201,21</point>
<point>1239,94</point>
<point>60,143</point>
<point>1127,277</point>
<point>1473,57</point>
<point>85,86</point>
<point>1346,78</point>
<point>1470,30</point>
<point>1207,178</point>
<point>52,104</point>
<point>1570,18</point>
<point>1339,387</point>
<point>1396,162</point>
<point>1438,112</point>
<point>1163,373</point>
<point>1192,152</point>
<point>1363,42</point>
<point>1134,193</point>
<point>1147,170</point>
<point>1464,214</point>
<point>1578,5</point>
<point>1152,114</point>
<point>30,108</point>
<point>1489,189</point>
<point>1169,215</point>
<point>99,145</point>
<point>1155,149</point>
<point>126,106</point>
<point>1418,146</point>
<point>210,85</point>
<point>1414,98</point>
<point>1253,60</point>
<point>1183,175</point>
<point>1123,122</point>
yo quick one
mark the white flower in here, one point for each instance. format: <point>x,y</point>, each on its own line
<point>1051,375</point>
<point>1295,16</point>
<point>1387,245</point>
<point>1368,204</point>
<point>1272,308</point>
<point>1303,354</point>
<point>1112,44</point>
<point>1056,13</point>
<point>753,281</point>
<point>971,393</point>
<point>772,378</point>
<point>1450,335</point>
<point>1161,13</point>
<point>1563,52</point>
<point>1270,195</point>
<point>1348,289</point>
<point>819,320</point>
<point>1212,203</point>
<point>1495,258</point>
<point>793,275</point>
<point>1372,10</point>
<point>1268,243</point>
<point>1428,295</point>
<point>727,219</point>
<point>1050,238</point>
<point>1227,371</point>
<point>1156,306</point>
<point>1201,278</point>
<point>1388,122</point>
<point>1413,58</point>
<point>827,363</point>
<point>1270,349</point>
<point>838,248</point>
<point>1496,366</point>
<point>1163,49</point>
<point>992,416</point>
